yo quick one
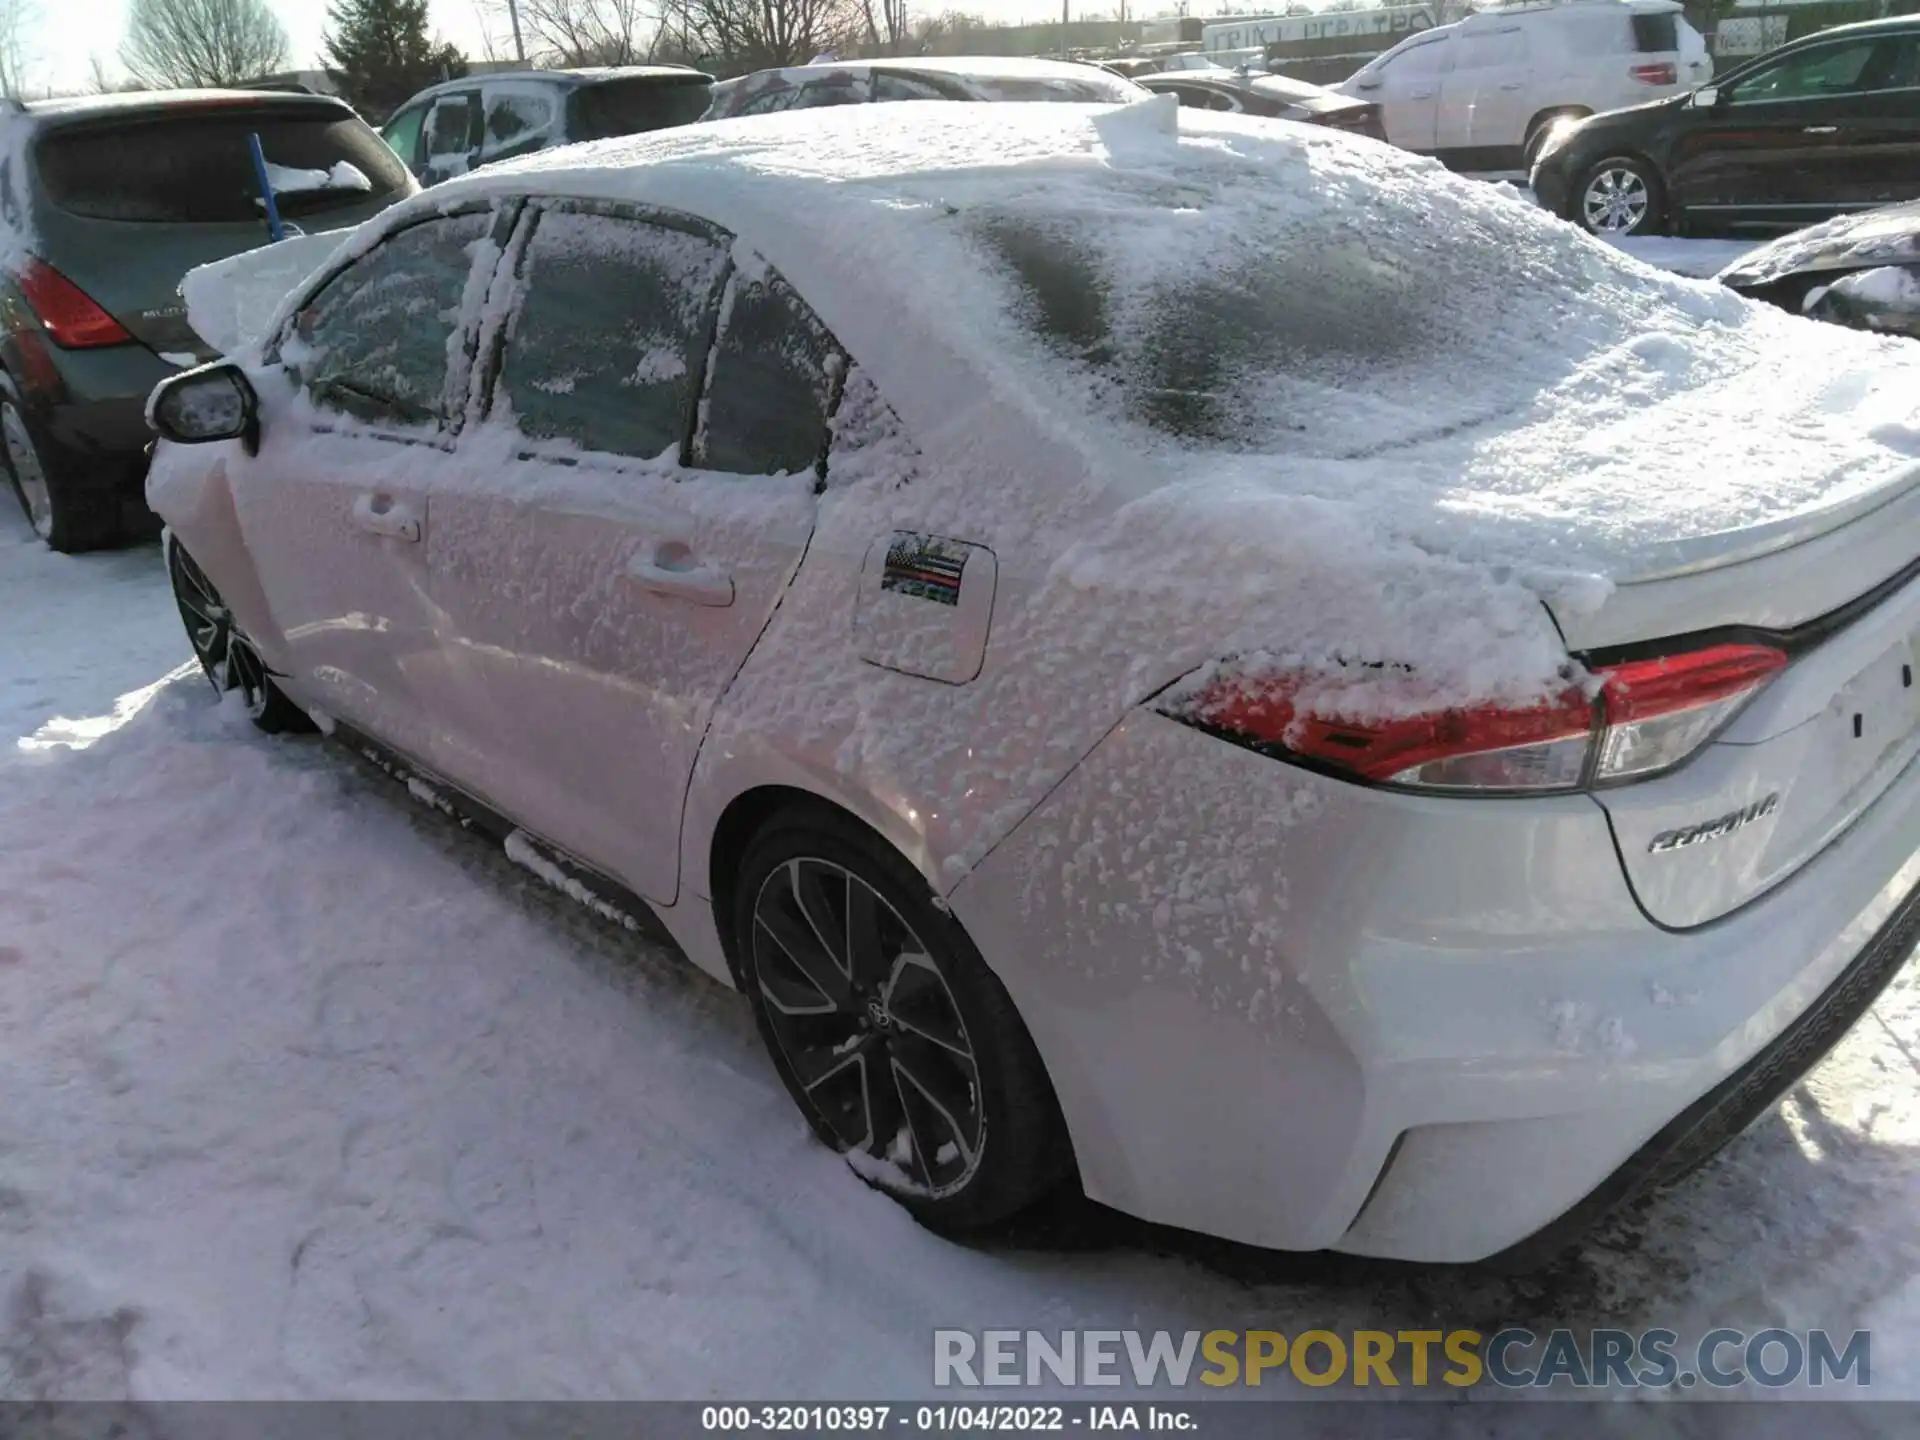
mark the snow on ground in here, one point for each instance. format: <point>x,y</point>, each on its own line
<point>311,1093</point>
<point>1700,258</point>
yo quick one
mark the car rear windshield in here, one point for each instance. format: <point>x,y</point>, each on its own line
<point>1312,311</point>
<point>197,169</point>
<point>627,107</point>
<point>1656,34</point>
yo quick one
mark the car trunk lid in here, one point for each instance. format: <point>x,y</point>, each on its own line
<point>1818,745</point>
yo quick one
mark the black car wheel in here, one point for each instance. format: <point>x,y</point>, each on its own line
<point>895,1040</point>
<point>67,518</point>
<point>1620,196</point>
<point>228,657</point>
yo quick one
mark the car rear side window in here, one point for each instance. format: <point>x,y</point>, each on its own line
<point>610,339</point>
<point>892,85</point>
<point>1655,34</point>
<point>631,107</point>
<point>775,375</point>
<point>197,168</point>
<point>374,343</point>
<point>518,119</point>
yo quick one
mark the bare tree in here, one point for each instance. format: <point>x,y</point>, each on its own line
<point>949,33</point>
<point>742,35</point>
<point>18,18</point>
<point>202,42</point>
<point>890,30</point>
<point>578,32</point>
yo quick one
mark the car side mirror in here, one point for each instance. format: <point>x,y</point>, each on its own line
<point>1705,98</point>
<point>1366,82</point>
<point>198,407</point>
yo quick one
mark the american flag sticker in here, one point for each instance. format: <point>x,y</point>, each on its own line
<point>925,567</point>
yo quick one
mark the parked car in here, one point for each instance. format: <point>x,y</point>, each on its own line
<point>926,77</point>
<point>456,126</point>
<point>1821,126</point>
<point>1131,639</point>
<point>1481,94</point>
<point>1857,270</point>
<point>1252,93</point>
<point>105,202</point>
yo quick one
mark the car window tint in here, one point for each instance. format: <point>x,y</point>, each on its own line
<point>516,119</point>
<point>627,107</point>
<point>374,343</point>
<point>1655,33</point>
<point>1820,70</point>
<point>403,134</point>
<point>611,334</point>
<point>889,85</point>
<point>774,372</point>
<point>773,100</point>
<point>197,169</point>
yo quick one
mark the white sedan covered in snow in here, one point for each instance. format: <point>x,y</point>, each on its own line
<point>1177,653</point>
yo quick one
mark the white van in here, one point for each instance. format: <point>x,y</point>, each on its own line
<point>1482,93</point>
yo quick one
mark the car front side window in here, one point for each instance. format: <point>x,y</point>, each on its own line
<point>403,135</point>
<point>609,343</point>
<point>374,342</point>
<point>1814,73</point>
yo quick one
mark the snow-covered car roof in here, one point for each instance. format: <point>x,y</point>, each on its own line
<point>1145,295</point>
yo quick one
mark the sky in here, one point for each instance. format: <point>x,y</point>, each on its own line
<point>67,34</point>
<point>70,32</point>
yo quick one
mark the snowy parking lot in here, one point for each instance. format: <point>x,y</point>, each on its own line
<point>311,1093</point>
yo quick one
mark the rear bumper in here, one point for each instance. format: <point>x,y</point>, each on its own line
<point>91,405</point>
<point>1302,1014</point>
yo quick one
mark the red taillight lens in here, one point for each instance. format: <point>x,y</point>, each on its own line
<point>1648,716</point>
<point>1660,711</point>
<point>1662,74</point>
<point>72,319</point>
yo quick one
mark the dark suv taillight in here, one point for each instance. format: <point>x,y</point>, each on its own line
<point>1618,723</point>
<point>73,318</point>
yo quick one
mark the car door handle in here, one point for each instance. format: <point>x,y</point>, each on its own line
<point>1512,85</point>
<point>1819,129</point>
<point>671,570</point>
<point>383,515</point>
<point>1422,94</point>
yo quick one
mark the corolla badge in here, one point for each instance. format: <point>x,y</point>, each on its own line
<point>1706,830</point>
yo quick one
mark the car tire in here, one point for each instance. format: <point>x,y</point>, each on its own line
<point>68,517</point>
<point>857,974</point>
<point>229,659</point>
<point>1621,195</point>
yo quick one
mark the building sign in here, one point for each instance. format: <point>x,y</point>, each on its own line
<point>1374,29</point>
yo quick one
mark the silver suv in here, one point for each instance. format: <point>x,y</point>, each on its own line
<point>460,125</point>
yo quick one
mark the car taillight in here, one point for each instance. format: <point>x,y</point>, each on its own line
<point>1661,74</point>
<point>1632,720</point>
<point>73,320</point>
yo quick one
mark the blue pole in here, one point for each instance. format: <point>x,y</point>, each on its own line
<point>274,227</point>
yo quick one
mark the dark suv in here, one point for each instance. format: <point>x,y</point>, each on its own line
<point>105,202</point>
<point>1822,126</point>
<point>453,127</point>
